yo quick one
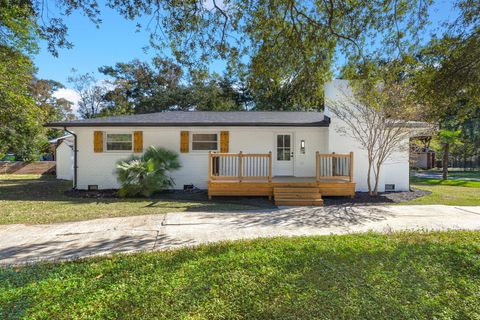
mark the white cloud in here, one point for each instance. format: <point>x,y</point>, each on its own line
<point>70,95</point>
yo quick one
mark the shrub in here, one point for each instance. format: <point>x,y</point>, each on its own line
<point>147,174</point>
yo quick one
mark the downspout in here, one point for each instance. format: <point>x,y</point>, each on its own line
<point>74,157</point>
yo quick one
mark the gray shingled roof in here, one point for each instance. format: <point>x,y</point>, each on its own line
<point>205,118</point>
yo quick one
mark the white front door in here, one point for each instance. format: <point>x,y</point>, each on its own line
<point>284,154</point>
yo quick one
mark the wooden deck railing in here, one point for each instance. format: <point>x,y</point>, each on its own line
<point>334,166</point>
<point>240,166</point>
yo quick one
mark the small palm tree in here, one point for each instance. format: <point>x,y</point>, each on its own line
<point>147,174</point>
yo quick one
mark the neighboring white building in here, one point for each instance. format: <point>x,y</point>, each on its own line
<point>294,138</point>
<point>64,157</point>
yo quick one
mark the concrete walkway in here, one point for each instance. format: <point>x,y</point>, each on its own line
<point>29,243</point>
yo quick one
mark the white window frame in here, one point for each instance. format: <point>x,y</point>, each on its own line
<point>205,132</point>
<point>105,142</point>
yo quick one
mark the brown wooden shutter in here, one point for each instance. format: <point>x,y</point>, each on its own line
<point>184,141</point>
<point>138,141</point>
<point>98,141</point>
<point>224,141</point>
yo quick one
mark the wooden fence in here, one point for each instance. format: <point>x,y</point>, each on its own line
<point>20,167</point>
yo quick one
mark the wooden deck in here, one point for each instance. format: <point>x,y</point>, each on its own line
<point>251,175</point>
<point>326,187</point>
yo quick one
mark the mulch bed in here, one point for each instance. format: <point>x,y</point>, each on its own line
<point>100,194</point>
<point>362,198</point>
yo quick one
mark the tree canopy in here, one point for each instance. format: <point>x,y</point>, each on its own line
<point>141,87</point>
<point>278,55</point>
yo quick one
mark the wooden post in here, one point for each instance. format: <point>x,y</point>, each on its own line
<point>210,160</point>
<point>240,166</point>
<point>209,173</point>
<point>270,166</point>
<point>334,165</point>
<point>317,166</point>
<point>351,166</point>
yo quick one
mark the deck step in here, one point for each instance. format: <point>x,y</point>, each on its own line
<point>299,202</point>
<point>297,196</point>
<point>311,184</point>
<point>296,189</point>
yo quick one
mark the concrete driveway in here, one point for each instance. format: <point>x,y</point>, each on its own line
<point>30,243</point>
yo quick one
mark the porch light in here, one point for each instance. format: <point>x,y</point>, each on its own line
<point>302,146</point>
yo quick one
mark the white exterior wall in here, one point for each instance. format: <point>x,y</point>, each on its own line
<point>99,168</point>
<point>64,161</point>
<point>396,168</point>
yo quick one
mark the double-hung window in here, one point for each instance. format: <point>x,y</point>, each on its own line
<point>118,142</point>
<point>204,142</point>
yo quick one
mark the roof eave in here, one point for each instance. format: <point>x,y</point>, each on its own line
<point>324,123</point>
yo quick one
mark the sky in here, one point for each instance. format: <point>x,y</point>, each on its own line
<point>117,41</point>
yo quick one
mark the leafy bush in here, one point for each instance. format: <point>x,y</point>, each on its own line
<point>147,174</point>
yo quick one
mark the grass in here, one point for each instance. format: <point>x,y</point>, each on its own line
<point>364,276</point>
<point>465,174</point>
<point>441,182</point>
<point>447,195</point>
<point>33,199</point>
<point>446,192</point>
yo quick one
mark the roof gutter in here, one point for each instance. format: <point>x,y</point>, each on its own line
<point>75,151</point>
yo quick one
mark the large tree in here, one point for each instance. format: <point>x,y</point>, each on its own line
<point>25,102</point>
<point>140,87</point>
<point>286,47</point>
<point>448,77</point>
<point>20,125</point>
<point>91,93</point>
<point>49,107</point>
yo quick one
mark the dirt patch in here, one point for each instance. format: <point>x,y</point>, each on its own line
<point>362,198</point>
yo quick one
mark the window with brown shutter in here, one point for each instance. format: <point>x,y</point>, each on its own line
<point>205,141</point>
<point>224,141</point>
<point>98,141</point>
<point>184,141</point>
<point>138,141</point>
<point>119,142</point>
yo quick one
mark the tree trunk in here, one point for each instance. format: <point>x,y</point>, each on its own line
<point>446,153</point>
<point>368,178</point>
<point>377,177</point>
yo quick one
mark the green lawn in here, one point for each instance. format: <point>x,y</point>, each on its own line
<point>465,174</point>
<point>34,199</point>
<point>448,192</point>
<point>364,276</point>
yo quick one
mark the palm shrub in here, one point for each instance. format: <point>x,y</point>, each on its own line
<point>147,174</point>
